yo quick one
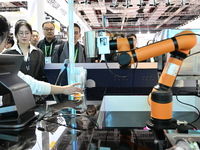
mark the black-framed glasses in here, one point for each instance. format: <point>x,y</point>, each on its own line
<point>48,29</point>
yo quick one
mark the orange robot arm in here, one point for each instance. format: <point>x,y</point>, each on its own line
<point>179,46</point>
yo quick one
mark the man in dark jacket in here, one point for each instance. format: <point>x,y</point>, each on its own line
<point>61,52</point>
<point>49,42</point>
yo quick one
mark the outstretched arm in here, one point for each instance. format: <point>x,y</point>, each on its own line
<point>67,90</point>
<point>44,88</point>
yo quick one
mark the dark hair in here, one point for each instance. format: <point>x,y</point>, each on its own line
<point>20,23</point>
<point>46,22</point>
<point>35,31</point>
<point>119,34</point>
<point>4,28</point>
<point>75,25</point>
<point>132,34</point>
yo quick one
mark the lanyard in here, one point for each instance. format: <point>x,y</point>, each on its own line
<point>76,53</point>
<point>50,50</point>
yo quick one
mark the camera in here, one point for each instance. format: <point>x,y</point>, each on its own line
<point>103,42</point>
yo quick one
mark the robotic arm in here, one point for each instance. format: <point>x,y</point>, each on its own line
<point>179,43</point>
<point>160,99</point>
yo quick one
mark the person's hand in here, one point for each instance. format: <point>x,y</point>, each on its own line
<point>71,89</point>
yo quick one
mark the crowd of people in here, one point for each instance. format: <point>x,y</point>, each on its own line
<point>37,52</point>
<point>50,49</point>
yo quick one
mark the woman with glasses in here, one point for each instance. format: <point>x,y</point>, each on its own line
<point>33,63</point>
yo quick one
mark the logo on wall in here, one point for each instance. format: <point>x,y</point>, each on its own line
<point>56,5</point>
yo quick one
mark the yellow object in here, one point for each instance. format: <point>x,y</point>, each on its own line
<point>52,144</point>
<point>78,96</point>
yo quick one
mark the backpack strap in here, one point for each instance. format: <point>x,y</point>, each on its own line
<point>40,44</point>
<point>59,42</point>
<point>60,49</point>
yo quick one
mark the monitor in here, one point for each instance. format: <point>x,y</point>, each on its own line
<point>10,64</point>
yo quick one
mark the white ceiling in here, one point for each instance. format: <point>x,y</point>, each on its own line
<point>137,15</point>
<point>129,15</point>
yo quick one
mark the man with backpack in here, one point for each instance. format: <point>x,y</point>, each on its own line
<point>61,52</point>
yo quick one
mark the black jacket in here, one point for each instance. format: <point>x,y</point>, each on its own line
<point>62,52</point>
<point>55,41</point>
